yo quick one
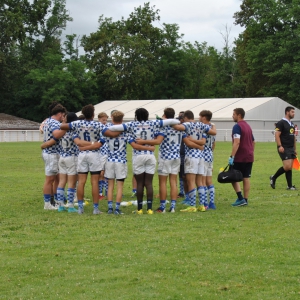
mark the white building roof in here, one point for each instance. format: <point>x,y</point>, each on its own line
<point>266,109</point>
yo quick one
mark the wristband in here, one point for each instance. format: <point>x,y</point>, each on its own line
<point>56,140</point>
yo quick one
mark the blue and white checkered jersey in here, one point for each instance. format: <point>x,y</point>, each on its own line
<point>68,147</point>
<point>90,131</point>
<point>144,130</point>
<point>117,147</point>
<point>197,131</point>
<point>104,148</point>
<point>208,151</point>
<point>169,149</point>
<point>51,125</point>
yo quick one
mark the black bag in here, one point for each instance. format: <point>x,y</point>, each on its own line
<point>230,176</point>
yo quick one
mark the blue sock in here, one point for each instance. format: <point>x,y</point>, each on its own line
<point>80,204</point>
<point>134,191</point>
<point>201,194</point>
<point>117,205</point>
<point>60,195</point>
<point>100,184</point>
<point>96,205</point>
<point>173,203</point>
<point>206,194</point>
<point>71,195</point>
<point>187,197</point>
<point>163,204</point>
<point>110,204</point>
<point>192,197</point>
<point>47,197</point>
<point>211,192</point>
<point>55,197</point>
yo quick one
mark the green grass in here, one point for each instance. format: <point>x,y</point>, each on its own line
<point>231,253</point>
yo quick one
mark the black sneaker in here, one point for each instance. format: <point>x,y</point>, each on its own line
<point>272,182</point>
<point>110,211</point>
<point>291,188</point>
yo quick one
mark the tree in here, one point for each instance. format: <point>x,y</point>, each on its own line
<point>267,50</point>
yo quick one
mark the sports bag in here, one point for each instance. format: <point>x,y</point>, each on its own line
<point>230,176</point>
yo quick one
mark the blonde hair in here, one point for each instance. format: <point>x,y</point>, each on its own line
<point>102,114</point>
<point>117,116</point>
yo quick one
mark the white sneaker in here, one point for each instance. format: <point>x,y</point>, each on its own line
<point>48,206</point>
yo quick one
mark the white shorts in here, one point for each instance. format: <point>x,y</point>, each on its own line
<point>68,165</point>
<point>168,166</point>
<point>115,170</point>
<point>193,165</point>
<point>103,160</point>
<point>89,162</point>
<point>144,163</point>
<point>51,163</point>
<point>208,168</point>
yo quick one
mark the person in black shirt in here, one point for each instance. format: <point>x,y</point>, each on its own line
<point>286,147</point>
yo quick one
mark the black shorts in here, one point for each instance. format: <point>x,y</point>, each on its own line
<point>289,153</point>
<point>245,168</point>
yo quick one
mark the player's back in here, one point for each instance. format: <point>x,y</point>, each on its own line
<point>50,125</point>
<point>88,130</point>
<point>170,146</point>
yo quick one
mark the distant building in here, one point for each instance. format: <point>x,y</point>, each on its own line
<point>8,122</point>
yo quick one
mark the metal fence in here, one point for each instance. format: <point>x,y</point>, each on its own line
<point>224,135</point>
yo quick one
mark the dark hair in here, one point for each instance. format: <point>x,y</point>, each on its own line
<point>88,111</point>
<point>288,109</point>
<point>188,114</point>
<point>58,109</point>
<point>206,113</point>
<point>81,117</point>
<point>169,113</point>
<point>51,106</point>
<point>141,114</point>
<point>240,111</point>
<point>71,116</point>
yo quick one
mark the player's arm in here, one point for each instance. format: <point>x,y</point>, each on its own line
<point>179,127</point>
<point>57,133</point>
<point>65,126</point>
<point>136,146</point>
<point>191,144</point>
<point>48,143</point>
<point>235,146</point>
<point>200,142</point>
<point>212,130</point>
<point>109,133</point>
<point>157,141</point>
<point>278,140</point>
<point>85,145</point>
<point>120,127</point>
<point>169,122</point>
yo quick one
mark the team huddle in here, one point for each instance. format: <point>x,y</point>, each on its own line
<point>74,147</point>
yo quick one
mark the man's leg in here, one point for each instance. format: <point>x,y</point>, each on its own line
<point>173,191</point>
<point>120,185</point>
<point>47,190</point>
<point>82,177</point>
<point>162,192</point>
<point>191,178</point>
<point>95,191</point>
<point>110,192</point>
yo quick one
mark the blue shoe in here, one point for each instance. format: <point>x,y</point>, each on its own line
<point>239,202</point>
<point>72,210</point>
<point>61,208</point>
<point>110,211</point>
<point>211,205</point>
<point>186,202</point>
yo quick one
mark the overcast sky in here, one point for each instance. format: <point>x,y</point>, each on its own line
<point>199,20</point>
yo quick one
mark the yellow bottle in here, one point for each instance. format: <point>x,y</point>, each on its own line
<point>221,170</point>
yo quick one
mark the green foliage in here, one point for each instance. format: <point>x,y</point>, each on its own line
<point>230,253</point>
<point>267,49</point>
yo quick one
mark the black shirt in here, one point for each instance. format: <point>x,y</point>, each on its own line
<point>287,130</point>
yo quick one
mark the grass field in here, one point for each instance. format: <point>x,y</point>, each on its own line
<point>232,253</point>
